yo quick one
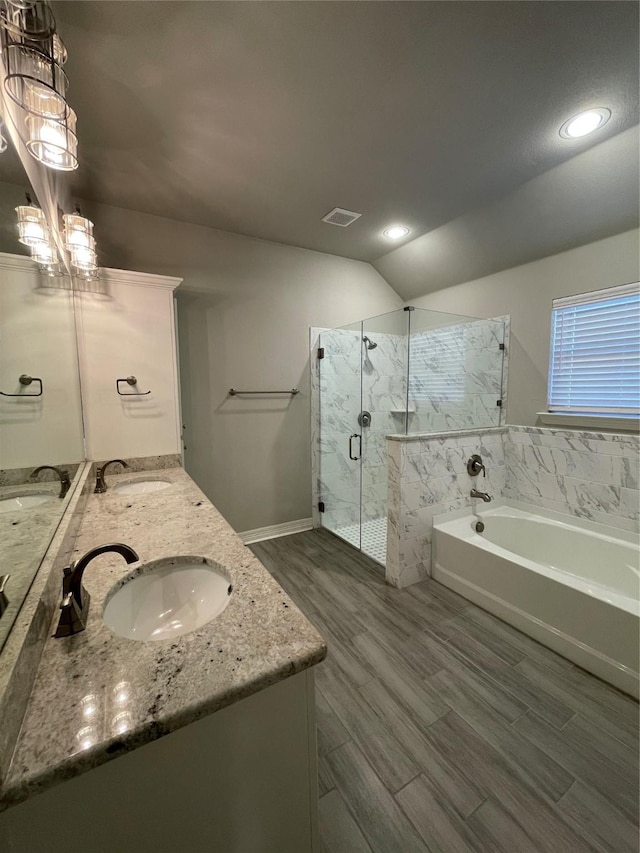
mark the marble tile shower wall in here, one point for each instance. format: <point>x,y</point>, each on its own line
<point>428,477</point>
<point>384,394</point>
<point>456,376</point>
<point>587,474</point>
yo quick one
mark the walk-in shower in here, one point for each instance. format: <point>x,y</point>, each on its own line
<point>410,371</point>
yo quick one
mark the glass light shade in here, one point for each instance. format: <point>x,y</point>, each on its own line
<point>3,142</point>
<point>35,81</point>
<point>53,142</point>
<point>78,232</point>
<point>32,226</point>
<point>20,4</point>
<point>84,259</point>
<point>45,253</point>
<point>31,19</point>
<point>58,49</point>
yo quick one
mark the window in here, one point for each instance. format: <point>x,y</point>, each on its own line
<point>436,359</point>
<point>594,366</point>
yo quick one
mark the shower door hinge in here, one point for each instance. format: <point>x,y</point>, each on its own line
<point>499,403</point>
<point>500,346</point>
<point>320,506</point>
<point>320,352</point>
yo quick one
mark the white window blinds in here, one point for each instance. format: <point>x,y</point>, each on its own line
<point>595,352</point>
<point>436,360</point>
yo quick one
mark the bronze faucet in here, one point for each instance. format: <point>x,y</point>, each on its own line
<point>75,598</point>
<point>101,485</point>
<point>65,482</point>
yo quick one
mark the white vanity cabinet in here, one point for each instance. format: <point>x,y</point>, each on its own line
<point>242,780</point>
<point>126,329</point>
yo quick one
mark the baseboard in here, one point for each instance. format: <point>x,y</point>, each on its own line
<point>276,530</point>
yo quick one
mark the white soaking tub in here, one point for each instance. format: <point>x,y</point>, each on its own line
<point>569,583</point>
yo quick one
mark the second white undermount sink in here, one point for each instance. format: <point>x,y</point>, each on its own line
<point>26,501</point>
<point>141,487</point>
<point>166,598</point>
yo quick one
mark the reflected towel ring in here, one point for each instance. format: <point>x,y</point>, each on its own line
<point>26,380</point>
<point>130,380</point>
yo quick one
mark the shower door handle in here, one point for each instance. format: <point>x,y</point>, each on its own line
<point>351,437</point>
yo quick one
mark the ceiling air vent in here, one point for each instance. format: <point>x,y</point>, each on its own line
<point>340,216</point>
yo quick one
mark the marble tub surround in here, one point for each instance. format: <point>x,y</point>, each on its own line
<point>586,474</point>
<point>97,695</point>
<point>21,653</point>
<point>427,478</point>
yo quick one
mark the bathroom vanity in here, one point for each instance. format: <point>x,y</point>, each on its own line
<point>202,741</point>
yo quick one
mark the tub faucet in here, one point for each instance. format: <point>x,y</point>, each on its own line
<point>65,482</point>
<point>75,598</point>
<point>101,485</point>
<point>476,494</point>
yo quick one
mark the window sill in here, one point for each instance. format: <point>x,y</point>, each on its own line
<point>610,422</point>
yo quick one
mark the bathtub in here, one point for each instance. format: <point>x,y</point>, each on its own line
<point>569,583</point>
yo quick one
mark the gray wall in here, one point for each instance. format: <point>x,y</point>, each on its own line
<point>244,313</point>
<point>525,292</point>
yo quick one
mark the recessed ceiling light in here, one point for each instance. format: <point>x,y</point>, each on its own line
<point>396,232</point>
<point>585,123</point>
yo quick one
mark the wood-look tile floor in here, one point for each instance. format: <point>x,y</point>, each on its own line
<point>440,728</point>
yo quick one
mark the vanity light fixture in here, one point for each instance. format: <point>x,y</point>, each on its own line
<point>30,19</point>
<point>396,232</point>
<point>585,122</point>
<point>54,142</point>
<point>33,79</point>
<point>45,254</point>
<point>33,55</point>
<point>32,226</point>
<point>80,243</point>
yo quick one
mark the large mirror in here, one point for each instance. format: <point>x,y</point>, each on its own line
<point>41,432</point>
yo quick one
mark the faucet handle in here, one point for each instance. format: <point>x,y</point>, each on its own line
<point>475,465</point>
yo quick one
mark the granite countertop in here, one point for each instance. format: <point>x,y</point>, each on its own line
<point>97,695</point>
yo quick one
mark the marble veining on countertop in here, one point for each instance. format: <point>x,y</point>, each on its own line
<point>98,695</point>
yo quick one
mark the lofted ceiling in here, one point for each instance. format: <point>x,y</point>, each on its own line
<point>260,117</point>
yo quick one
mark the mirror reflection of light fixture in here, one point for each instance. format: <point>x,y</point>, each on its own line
<point>84,258</point>
<point>54,142</point>
<point>80,243</point>
<point>32,226</point>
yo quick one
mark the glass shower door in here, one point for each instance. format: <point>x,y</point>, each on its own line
<point>340,433</point>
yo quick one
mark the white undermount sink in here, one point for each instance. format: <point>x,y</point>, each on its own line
<point>141,487</point>
<point>166,598</point>
<point>27,501</point>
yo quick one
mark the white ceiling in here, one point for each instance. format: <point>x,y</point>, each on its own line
<point>259,117</point>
